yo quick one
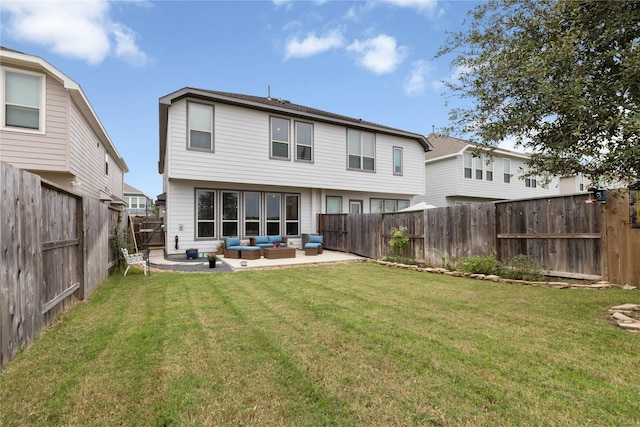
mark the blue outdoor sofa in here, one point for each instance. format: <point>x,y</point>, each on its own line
<point>233,249</point>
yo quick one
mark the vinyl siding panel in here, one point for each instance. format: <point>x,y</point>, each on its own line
<point>440,182</point>
<point>242,141</point>
<point>87,159</point>
<point>446,184</point>
<point>36,151</point>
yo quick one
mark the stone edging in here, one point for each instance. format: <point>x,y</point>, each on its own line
<point>622,316</point>
<point>493,278</point>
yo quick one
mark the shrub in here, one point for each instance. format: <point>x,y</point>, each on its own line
<point>400,260</point>
<point>399,242</point>
<point>480,265</point>
<point>523,267</point>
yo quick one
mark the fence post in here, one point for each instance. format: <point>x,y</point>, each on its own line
<point>81,249</point>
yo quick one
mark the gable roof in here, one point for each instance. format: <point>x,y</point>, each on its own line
<point>129,189</point>
<point>272,105</point>
<point>13,58</point>
<point>447,146</point>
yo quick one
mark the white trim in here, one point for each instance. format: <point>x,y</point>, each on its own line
<point>42,108</point>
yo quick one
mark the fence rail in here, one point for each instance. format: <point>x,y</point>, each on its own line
<point>567,235</point>
<point>54,245</point>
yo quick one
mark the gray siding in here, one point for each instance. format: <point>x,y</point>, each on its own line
<point>242,155</point>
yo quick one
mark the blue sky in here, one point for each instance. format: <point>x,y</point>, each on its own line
<point>365,59</point>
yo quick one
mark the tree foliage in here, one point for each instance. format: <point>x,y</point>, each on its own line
<point>561,78</point>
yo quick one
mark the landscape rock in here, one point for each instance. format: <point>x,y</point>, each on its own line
<point>626,307</point>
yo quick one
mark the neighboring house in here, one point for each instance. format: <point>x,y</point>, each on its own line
<point>238,165</point>
<point>457,173</point>
<point>574,184</point>
<point>49,128</point>
<point>137,203</point>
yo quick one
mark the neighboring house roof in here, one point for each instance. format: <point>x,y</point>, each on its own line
<point>447,146</point>
<point>129,189</point>
<point>274,105</point>
<point>13,58</point>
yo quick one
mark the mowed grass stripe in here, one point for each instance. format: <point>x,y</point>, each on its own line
<point>352,344</point>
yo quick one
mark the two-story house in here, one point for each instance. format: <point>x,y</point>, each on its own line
<point>136,202</point>
<point>239,165</point>
<point>48,127</point>
<point>459,172</point>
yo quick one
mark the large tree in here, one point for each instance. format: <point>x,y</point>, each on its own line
<point>561,77</point>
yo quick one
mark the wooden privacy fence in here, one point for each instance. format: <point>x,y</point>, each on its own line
<point>565,234</point>
<point>55,246</point>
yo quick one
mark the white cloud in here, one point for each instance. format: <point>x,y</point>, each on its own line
<point>312,45</point>
<point>77,29</point>
<point>380,54</point>
<point>415,82</point>
<point>428,7</point>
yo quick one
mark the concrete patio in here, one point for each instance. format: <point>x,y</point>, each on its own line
<point>156,257</point>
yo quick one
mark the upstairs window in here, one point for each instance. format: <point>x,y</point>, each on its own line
<point>397,160</point>
<point>478,162</point>
<point>361,150</point>
<point>506,170</point>
<point>279,138</point>
<point>200,126</point>
<point>489,170</point>
<point>468,160</point>
<point>530,183</point>
<point>23,101</point>
<point>304,141</point>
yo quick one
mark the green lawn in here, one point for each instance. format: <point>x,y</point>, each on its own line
<point>350,344</point>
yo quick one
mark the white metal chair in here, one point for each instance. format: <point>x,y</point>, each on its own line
<point>134,259</point>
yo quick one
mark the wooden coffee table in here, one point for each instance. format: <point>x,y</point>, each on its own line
<point>278,253</point>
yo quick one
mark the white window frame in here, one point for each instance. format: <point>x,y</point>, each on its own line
<point>478,168</point>
<point>209,131</point>
<point>488,169</point>
<point>42,111</point>
<point>467,169</point>
<point>357,204</point>
<point>506,171</point>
